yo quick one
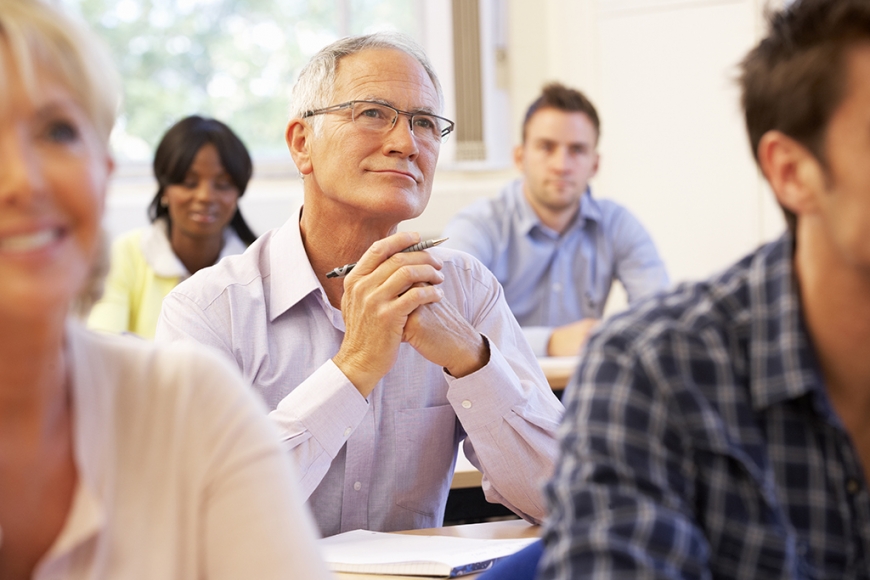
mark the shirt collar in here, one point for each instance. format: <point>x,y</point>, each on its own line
<point>782,360</point>
<point>589,210</point>
<point>294,277</point>
<point>157,249</point>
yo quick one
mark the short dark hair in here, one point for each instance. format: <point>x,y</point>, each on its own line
<point>558,96</point>
<point>175,155</point>
<point>796,77</point>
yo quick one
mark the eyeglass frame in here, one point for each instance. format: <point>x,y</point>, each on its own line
<point>451,126</point>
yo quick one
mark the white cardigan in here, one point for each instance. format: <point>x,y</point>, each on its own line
<point>181,474</point>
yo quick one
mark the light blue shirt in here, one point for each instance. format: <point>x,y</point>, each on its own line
<point>550,279</point>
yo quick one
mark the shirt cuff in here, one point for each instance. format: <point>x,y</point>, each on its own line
<point>485,395</point>
<point>327,405</point>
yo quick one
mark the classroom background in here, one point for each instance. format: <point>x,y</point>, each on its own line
<point>662,74</point>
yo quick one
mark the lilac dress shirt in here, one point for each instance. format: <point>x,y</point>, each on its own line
<point>383,463</point>
<point>551,279</point>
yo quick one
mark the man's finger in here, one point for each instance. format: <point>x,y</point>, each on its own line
<point>382,250</point>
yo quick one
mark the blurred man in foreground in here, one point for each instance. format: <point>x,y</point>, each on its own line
<point>721,431</point>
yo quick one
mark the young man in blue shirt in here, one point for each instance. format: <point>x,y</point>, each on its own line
<point>555,249</point>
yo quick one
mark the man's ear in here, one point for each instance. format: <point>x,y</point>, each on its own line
<point>298,137</point>
<point>519,151</point>
<point>595,164</point>
<point>794,174</point>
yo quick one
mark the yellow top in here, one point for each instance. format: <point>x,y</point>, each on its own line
<point>143,270</point>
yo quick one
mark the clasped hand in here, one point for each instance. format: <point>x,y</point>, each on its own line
<point>392,297</point>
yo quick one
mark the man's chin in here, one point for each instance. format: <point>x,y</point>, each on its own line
<point>409,212</point>
<point>561,204</point>
<point>409,203</point>
<point>396,209</point>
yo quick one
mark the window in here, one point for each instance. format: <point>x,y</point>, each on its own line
<point>235,60</point>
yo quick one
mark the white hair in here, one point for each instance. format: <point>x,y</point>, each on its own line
<point>315,87</point>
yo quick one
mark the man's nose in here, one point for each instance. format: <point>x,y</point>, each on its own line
<point>401,139</point>
<point>559,160</point>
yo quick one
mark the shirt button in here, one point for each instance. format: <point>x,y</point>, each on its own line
<point>852,486</point>
<point>357,486</point>
<point>347,431</point>
<point>466,404</point>
<point>557,287</point>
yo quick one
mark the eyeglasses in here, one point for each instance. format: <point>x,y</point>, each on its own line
<point>381,118</point>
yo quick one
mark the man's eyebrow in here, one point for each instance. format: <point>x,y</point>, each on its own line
<point>373,99</point>
<point>424,109</point>
<point>548,141</point>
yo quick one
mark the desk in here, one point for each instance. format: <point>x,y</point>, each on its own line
<point>558,369</point>
<point>493,530</point>
<point>465,475</point>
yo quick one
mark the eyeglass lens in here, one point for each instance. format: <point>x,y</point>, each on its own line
<point>375,117</point>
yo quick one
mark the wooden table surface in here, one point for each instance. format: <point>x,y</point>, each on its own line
<point>511,529</point>
<point>558,369</point>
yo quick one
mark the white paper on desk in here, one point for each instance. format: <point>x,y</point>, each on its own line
<point>410,555</point>
<point>558,363</point>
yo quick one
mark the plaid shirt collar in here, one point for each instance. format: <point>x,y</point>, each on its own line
<point>783,364</point>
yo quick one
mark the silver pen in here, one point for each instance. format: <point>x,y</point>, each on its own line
<point>345,270</point>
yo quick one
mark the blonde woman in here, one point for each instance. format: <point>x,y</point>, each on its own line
<point>117,459</point>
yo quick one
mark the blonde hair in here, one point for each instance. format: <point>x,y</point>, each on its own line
<point>39,36</point>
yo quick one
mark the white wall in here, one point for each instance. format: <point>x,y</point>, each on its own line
<point>676,150</point>
<point>673,145</point>
<point>663,76</point>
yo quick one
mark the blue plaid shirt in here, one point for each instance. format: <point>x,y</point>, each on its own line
<point>699,442</point>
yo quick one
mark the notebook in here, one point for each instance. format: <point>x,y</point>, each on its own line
<point>367,552</point>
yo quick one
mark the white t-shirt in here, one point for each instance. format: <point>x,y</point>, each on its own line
<point>181,475</point>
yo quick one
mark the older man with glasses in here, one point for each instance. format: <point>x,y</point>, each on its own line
<point>375,378</point>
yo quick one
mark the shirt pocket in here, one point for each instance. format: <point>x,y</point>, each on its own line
<point>425,451</point>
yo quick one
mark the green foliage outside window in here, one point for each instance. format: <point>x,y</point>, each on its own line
<point>234,60</point>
